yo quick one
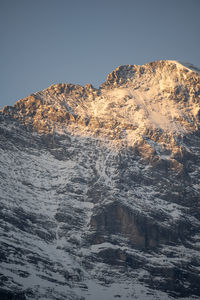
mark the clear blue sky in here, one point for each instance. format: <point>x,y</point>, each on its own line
<point>80,41</point>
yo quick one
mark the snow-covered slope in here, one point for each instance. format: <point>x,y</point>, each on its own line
<point>100,188</point>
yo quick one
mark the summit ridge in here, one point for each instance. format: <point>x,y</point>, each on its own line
<point>162,95</point>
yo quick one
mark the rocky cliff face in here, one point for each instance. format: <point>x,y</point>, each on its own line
<point>100,188</point>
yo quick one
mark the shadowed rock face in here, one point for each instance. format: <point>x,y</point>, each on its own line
<point>141,232</point>
<point>6,295</point>
<point>100,188</point>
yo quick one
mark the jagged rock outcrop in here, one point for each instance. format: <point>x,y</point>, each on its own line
<point>100,188</point>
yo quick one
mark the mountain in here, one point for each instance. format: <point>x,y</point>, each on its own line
<point>100,188</point>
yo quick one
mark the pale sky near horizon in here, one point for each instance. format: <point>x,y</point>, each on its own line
<point>80,41</point>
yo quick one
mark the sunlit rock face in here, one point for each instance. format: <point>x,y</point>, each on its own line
<point>100,188</point>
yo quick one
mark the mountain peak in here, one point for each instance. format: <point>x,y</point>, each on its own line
<point>100,188</point>
<point>126,73</point>
<point>162,95</point>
